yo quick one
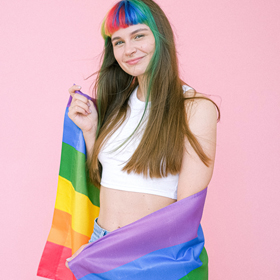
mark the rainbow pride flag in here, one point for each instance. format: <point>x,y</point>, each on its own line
<point>76,206</point>
<point>167,244</point>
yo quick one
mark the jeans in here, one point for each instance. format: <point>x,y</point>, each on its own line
<point>98,232</point>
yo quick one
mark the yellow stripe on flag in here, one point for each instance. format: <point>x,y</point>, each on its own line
<point>78,205</point>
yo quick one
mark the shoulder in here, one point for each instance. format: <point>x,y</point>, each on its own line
<point>199,108</point>
<point>198,103</point>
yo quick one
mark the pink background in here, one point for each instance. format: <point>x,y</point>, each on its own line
<point>226,48</point>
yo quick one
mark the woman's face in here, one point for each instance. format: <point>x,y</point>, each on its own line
<point>134,47</point>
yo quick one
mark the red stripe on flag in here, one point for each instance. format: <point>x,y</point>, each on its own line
<point>52,264</point>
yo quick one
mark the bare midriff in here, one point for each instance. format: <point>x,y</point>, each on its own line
<point>119,208</point>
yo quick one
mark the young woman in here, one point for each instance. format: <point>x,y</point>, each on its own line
<point>153,140</point>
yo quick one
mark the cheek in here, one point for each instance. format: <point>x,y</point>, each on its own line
<point>146,47</point>
<point>153,46</point>
<point>150,47</point>
<point>117,55</point>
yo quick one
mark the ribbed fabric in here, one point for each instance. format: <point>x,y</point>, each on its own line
<point>113,160</point>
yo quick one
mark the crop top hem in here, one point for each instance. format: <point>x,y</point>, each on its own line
<point>141,190</point>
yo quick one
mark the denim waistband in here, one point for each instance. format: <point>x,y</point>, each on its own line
<point>99,229</point>
<point>98,232</point>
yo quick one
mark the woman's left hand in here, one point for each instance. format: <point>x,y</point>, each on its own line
<point>76,254</point>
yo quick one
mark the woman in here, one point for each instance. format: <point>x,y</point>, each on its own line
<point>153,139</point>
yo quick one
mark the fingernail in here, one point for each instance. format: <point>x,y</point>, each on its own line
<point>89,111</point>
<point>68,259</point>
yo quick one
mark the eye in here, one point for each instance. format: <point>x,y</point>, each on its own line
<point>118,43</point>
<point>139,36</point>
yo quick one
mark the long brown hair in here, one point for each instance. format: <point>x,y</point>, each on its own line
<point>161,149</point>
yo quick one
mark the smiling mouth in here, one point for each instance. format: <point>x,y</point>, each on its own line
<point>134,61</point>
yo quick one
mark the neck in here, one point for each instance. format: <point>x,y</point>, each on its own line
<point>142,90</point>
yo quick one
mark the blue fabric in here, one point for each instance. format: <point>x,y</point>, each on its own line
<point>98,232</point>
<point>182,258</point>
<point>72,135</point>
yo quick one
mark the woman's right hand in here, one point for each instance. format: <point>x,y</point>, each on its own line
<point>82,112</point>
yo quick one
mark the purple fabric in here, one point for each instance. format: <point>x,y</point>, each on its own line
<point>169,226</point>
<point>85,95</point>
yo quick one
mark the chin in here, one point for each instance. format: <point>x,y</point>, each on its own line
<point>136,72</point>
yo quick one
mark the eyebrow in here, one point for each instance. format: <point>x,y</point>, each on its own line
<point>135,31</point>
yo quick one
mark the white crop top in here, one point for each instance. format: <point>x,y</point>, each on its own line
<point>113,161</point>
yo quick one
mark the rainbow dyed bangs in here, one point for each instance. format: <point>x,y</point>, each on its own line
<point>124,14</point>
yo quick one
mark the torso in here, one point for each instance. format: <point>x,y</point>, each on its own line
<point>121,207</point>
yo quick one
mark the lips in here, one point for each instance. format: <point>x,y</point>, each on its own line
<point>134,61</point>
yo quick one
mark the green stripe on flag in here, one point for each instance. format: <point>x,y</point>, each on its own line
<point>73,168</point>
<point>200,273</point>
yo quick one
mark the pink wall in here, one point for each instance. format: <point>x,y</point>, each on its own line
<point>226,48</point>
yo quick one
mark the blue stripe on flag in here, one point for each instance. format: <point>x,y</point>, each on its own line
<point>73,135</point>
<point>170,263</point>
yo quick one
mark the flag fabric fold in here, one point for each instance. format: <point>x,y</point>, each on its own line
<point>76,206</point>
<point>167,244</point>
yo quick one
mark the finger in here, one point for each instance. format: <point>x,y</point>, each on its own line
<point>81,104</point>
<point>76,254</point>
<point>73,89</point>
<point>77,96</point>
<point>92,106</point>
<point>66,264</point>
<point>77,110</point>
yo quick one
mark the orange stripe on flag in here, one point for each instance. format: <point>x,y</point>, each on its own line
<point>61,227</point>
<point>62,234</point>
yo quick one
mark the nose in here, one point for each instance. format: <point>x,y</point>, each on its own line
<point>130,49</point>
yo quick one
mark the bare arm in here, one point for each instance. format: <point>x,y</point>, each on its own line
<point>195,175</point>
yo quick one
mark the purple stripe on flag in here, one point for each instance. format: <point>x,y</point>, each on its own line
<point>169,226</point>
<point>88,97</point>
